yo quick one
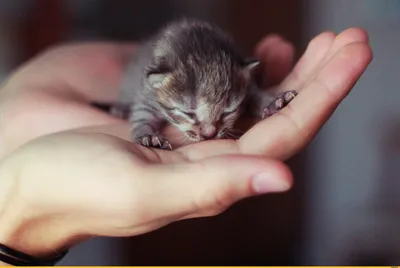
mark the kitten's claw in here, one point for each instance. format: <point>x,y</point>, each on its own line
<point>154,141</point>
<point>278,103</point>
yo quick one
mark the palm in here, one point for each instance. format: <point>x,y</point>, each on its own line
<point>66,79</point>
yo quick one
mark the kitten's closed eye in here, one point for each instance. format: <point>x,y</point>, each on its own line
<point>191,115</point>
<point>183,113</point>
<point>230,111</point>
<point>158,80</point>
<point>224,114</point>
<point>179,112</point>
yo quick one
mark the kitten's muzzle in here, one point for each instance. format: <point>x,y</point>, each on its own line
<point>208,131</point>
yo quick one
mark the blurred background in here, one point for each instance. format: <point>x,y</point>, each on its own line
<point>345,204</point>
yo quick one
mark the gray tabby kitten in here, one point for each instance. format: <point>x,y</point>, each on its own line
<point>190,75</point>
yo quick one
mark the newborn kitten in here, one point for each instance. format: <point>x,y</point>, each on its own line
<point>190,75</point>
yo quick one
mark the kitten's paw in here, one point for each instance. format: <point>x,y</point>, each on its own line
<point>154,141</point>
<point>278,103</point>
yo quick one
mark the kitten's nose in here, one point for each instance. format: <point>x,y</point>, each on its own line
<point>208,131</point>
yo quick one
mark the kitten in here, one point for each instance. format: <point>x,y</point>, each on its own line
<point>190,75</point>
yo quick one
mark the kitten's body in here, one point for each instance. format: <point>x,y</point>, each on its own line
<point>190,75</point>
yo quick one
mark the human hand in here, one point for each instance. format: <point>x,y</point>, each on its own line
<point>323,76</point>
<point>52,92</point>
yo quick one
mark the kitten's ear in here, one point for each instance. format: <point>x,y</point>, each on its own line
<point>251,65</point>
<point>251,69</point>
<point>158,80</point>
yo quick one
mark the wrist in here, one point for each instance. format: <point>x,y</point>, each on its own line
<point>24,224</point>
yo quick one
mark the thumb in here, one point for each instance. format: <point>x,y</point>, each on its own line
<point>210,186</point>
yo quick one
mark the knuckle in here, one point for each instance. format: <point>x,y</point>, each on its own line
<point>294,122</point>
<point>292,136</point>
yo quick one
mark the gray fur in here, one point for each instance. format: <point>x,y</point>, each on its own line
<point>189,74</point>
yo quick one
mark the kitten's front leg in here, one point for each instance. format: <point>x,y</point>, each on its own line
<point>263,104</point>
<point>146,124</point>
<point>280,101</point>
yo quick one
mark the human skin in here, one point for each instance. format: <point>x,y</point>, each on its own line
<point>51,94</point>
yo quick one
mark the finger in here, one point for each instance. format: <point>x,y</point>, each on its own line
<point>291,129</point>
<point>276,56</point>
<point>319,53</point>
<point>308,63</point>
<point>210,186</point>
<point>351,35</point>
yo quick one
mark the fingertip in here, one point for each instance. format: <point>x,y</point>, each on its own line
<point>316,50</point>
<point>332,84</point>
<point>369,53</point>
<point>247,175</point>
<point>354,58</point>
<point>256,167</point>
<point>328,34</point>
<point>273,37</point>
<point>286,50</point>
<point>265,183</point>
<point>323,40</point>
<point>271,177</point>
<point>265,43</point>
<point>354,34</point>
<point>350,62</point>
<point>277,57</point>
<point>283,173</point>
<point>364,52</point>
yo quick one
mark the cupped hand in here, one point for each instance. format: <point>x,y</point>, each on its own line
<point>51,93</point>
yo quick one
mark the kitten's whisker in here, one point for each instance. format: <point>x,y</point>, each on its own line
<point>230,135</point>
<point>234,133</point>
<point>185,139</point>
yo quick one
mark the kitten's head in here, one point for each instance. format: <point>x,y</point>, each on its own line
<point>199,79</point>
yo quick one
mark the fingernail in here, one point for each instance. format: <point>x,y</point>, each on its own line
<point>267,183</point>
